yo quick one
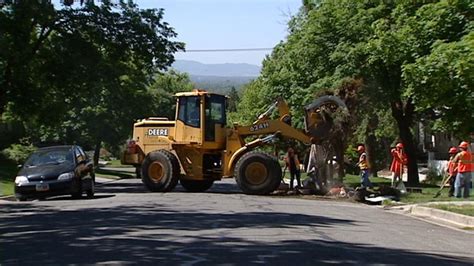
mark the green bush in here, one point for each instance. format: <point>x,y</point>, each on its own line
<point>432,177</point>
<point>18,152</point>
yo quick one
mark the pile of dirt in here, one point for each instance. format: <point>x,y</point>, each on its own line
<point>339,191</point>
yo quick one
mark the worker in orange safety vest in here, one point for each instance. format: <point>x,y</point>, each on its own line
<point>464,166</point>
<point>452,169</point>
<point>364,167</point>
<point>398,161</point>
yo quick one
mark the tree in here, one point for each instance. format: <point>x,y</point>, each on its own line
<point>406,34</point>
<point>388,45</point>
<point>24,28</point>
<point>233,100</point>
<point>445,77</point>
<point>91,65</point>
<point>163,89</point>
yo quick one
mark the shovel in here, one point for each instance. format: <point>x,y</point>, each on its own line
<point>442,186</point>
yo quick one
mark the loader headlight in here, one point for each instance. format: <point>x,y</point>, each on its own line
<point>21,180</point>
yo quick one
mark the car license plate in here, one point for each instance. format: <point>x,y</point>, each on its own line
<point>42,187</point>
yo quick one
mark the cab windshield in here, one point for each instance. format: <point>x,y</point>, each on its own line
<point>50,157</point>
<point>189,110</point>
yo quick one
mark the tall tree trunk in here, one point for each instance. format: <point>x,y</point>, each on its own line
<point>370,143</point>
<point>97,153</point>
<point>4,87</point>
<point>403,114</point>
<point>339,152</point>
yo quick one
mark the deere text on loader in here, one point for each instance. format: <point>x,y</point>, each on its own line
<point>197,148</point>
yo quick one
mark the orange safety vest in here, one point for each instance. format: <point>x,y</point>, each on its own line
<point>399,159</point>
<point>363,163</point>
<point>452,170</point>
<point>464,162</point>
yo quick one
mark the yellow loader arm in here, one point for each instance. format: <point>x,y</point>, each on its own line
<point>317,120</point>
<point>318,124</point>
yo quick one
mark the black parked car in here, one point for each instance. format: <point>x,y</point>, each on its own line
<point>58,170</point>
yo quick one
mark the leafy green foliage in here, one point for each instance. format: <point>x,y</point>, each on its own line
<point>433,177</point>
<point>18,152</point>
<point>441,84</point>
<point>413,58</point>
<point>81,75</point>
<point>163,88</point>
<point>233,100</point>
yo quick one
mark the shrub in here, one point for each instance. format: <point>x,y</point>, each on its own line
<point>433,177</point>
<point>18,152</point>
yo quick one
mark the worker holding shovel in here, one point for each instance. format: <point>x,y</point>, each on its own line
<point>398,161</point>
<point>452,170</point>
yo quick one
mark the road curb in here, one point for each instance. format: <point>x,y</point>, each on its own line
<point>445,216</point>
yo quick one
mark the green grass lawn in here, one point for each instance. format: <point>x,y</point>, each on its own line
<point>354,181</point>
<point>428,194</point>
<point>7,187</point>
<point>8,172</point>
<point>114,174</point>
<point>117,164</point>
<point>466,209</point>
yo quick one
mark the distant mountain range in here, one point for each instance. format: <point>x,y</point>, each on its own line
<point>218,78</point>
<point>194,68</point>
<point>219,84</point>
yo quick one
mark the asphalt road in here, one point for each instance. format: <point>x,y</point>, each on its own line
<point>126,224</point>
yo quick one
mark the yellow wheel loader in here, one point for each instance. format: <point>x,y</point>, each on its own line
<point>197,148</point>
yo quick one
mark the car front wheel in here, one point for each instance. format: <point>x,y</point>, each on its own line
<point>20,198</point>
<point>77,187</point>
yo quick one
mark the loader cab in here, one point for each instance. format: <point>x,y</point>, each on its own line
<point>201,119</point>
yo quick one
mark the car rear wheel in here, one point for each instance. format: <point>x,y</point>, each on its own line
<point>257,173</point>
<point>160,171</point>
<point>196,185</point>
<point>91,191</point>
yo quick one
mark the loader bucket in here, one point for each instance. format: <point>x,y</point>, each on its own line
<point>318,117</point>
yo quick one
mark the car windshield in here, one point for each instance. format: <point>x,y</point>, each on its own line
<point>49,157</point>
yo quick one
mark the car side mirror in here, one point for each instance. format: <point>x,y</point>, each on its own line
<point>20,166</point>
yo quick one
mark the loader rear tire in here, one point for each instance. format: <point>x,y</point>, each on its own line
<point>196,185</point>
<point>257,173</point>
<point>160,171</point>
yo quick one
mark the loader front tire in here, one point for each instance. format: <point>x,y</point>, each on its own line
<point>196,185</point>
<point>257,173</point>
<point>160,171</point>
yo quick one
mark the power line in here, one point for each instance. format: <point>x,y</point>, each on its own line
<point>226,50</point>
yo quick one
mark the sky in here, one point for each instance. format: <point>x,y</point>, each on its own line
<point>226,24</point>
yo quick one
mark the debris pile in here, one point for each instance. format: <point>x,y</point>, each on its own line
<point>339,191</point>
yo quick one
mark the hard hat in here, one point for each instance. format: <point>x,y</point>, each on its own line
<point>400,145</point>
<point>360,148</point>
<point>464,145</point>
<point>453,150</point>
